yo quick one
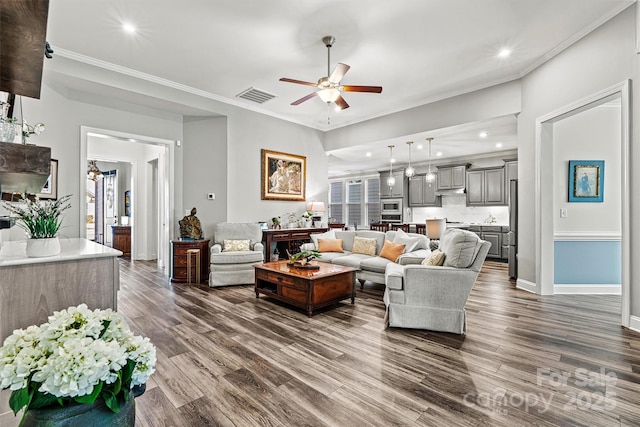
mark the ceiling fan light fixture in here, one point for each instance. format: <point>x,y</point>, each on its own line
<point>329,95</point>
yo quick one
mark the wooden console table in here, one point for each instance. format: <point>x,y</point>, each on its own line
<point>292,238</point>
<point>179,250</point>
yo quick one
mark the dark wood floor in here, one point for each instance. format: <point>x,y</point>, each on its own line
<point>226,358</point>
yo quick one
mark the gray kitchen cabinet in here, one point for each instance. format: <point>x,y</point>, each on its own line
<point>422,194</point>
<point>493,235</point>
<point>451,177</point>
<point>397,190</point>
<point>485,187</point>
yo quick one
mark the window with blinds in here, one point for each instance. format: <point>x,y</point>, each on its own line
<point>336,199</point>
<point>373,200</point>
<point>355,192</point>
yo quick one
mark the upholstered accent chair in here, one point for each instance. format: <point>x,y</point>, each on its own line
<point>237,248</point>
<point>433,297</point>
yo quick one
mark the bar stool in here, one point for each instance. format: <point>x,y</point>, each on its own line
<point>191,252</point>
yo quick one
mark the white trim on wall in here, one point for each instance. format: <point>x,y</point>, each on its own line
<point>588,289</point>
<point>586,236</point>
<point>526,285</point>
<point>634,323</point>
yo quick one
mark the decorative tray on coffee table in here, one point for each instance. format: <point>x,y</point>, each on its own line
<point>301,266</point>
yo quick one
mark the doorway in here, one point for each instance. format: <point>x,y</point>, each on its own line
<point>545,213</point>
<point>152,184</point>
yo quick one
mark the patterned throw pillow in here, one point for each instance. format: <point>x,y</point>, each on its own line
<point>364,246</point>
<point>435,258</point>
<point>236,245</point>
<point>392,251</point>
<point>330,245</point>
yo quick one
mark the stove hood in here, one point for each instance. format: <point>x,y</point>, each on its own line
<point>451,192</point>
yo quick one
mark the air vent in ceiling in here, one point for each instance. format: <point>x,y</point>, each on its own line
<point>256,95</point>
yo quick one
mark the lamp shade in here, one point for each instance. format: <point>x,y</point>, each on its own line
<point>435,228</point>
<point>316,207</point>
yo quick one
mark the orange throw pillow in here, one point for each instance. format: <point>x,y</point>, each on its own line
<point>392,251</point>
<point>330,245</point>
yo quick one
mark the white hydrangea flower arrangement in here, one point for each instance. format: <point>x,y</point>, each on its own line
<point>78,356</point>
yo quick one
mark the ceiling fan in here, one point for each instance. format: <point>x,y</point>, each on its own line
<point>330,87</point>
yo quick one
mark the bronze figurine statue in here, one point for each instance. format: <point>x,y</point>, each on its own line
<point>190,226</point>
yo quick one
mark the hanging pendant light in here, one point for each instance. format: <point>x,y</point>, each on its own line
<point>92,170</point>
<point>430,177</point>
<point>391,181</point>
<point>409,171</point>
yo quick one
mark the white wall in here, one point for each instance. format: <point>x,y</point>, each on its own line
<point>600,60</point>
<point>589,135</point>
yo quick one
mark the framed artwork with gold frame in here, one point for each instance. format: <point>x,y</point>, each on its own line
<point>283,176</point>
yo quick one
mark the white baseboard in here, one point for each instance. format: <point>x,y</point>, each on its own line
<point>588,289</point>
<point>525,285</point>
<point>634,323</point>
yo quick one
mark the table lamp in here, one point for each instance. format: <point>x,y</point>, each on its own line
<point>316,208</point>
<point>435,228</point>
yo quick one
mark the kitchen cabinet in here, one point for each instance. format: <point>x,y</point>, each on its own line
<point>486,187</point>
<point>451,177</point>
<point>397,190</point>
<point>422,194</point>
<point>505,243</point>
<point>493,235</point>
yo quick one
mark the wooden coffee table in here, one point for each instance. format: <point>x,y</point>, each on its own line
<point>307,289</point>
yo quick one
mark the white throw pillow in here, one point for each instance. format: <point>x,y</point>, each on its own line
<point>331,234</point>
<point>410,243</point>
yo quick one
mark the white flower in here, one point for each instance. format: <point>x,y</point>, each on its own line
<point>73,352</point>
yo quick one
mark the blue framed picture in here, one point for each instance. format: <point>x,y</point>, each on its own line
<point>586,180</point>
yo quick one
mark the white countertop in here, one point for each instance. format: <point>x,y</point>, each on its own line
<point>15,252</point>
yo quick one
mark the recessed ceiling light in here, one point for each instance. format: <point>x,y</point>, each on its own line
<point>129,28</point>
<point>499,145</point>
<point>368,153</point>
<point>439,153</point>
<point>419,146</point>
<point>393,160</point>
<point>504,53</point>
<point>483,134</point>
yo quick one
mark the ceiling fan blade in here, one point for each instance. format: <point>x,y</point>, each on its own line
<point>300,82</point>
<point>305,98</point>
<point>339,72</point>
<point>352,88</point>
<point>341,103</point>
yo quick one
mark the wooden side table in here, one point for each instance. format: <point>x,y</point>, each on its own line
<point>179,250</point>
<point>292,238</point>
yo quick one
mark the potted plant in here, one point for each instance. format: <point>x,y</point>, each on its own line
<point>275,222</point>
<point>303,259</point>
<point>293,220</point>
<point>41,219</point>
<point>81,367</point>
<point>306,217</point>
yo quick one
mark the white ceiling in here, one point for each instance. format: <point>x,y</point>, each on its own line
<point>419,51</point>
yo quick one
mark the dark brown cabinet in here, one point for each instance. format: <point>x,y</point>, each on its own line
<point>121,238</point>
<point>179,250</point>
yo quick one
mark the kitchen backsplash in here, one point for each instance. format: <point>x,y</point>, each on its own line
<point>454,208</point>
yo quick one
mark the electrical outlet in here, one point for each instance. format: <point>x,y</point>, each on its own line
<point>211,196</point>
<point>563,213</point>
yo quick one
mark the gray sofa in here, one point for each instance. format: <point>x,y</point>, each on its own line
<point>371,268</point>
<point>433,297</point>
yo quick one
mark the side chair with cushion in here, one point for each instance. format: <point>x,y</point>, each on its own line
<point>237,248</point>
<point>431,296</point>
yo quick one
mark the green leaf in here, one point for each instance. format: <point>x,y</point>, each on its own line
<point>90,398</point>
<point>40,400</point>
<point>127,372</point>
<point>19,399</point>
<point>111,401</point>
<point>105,326</point>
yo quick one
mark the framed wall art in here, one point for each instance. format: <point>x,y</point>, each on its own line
<point>50,188</point>
<point>283,176</point>
<point>586,180</point>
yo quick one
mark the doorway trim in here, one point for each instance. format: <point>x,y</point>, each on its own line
<point>544,192</point>
<point>166,174</point>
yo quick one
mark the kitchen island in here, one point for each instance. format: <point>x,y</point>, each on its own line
<point>31,289</point>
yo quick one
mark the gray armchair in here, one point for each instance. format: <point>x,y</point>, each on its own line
<point>235,267</point>
<point>433,297</point>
